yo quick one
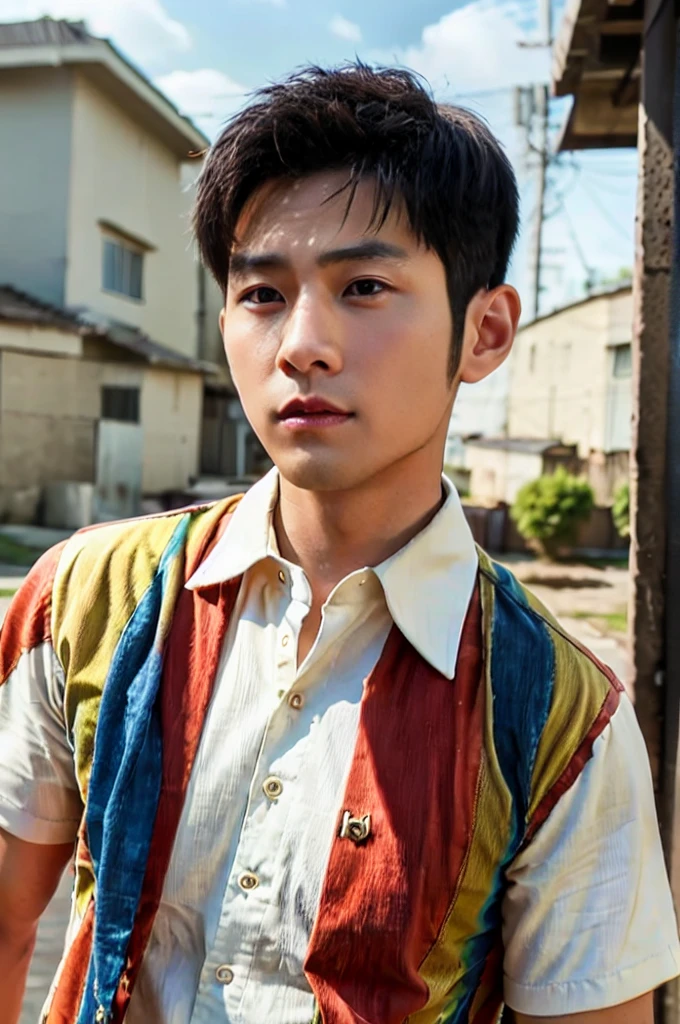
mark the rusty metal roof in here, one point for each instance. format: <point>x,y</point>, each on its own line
<point>19,307</point>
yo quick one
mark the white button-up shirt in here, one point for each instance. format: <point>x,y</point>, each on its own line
<point>247,868</point>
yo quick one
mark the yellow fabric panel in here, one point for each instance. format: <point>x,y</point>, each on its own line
<point>580,689</point>
<point>102,576</point>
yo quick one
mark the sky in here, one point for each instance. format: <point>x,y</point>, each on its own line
<point>208,55</point>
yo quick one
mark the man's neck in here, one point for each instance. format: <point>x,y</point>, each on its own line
<point>331,534</point>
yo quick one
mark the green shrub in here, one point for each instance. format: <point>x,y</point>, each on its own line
<point>621,510</point>
<point>548,511</point>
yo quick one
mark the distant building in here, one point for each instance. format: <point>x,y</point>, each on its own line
<point>94,210</point>
<point>98,412</point>
<point>569,401</point>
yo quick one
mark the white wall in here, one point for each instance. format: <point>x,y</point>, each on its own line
<point>35,138</point>
<point>122,174</point>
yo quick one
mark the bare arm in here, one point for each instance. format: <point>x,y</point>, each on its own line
<point>29,875</point>
<point>638,1011</point>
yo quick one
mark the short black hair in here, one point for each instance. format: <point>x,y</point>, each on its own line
<point>456,183</point>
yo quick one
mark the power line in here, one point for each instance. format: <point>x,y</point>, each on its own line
<point>604,212</point>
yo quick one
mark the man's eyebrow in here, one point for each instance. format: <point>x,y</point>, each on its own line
<point>371,249</point>
<point>243,262</point>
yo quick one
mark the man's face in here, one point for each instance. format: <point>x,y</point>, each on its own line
<point>337,337</point>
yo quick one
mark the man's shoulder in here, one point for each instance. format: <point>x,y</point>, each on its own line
<point>514,605</point>
<point>552,698</point>
<point>118,560</point>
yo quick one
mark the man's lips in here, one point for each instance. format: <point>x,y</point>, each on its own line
<point>312,412</point>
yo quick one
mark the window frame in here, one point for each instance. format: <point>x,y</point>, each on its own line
<point>617,350</point>
<point>129,255</point>
<point>126,394</point>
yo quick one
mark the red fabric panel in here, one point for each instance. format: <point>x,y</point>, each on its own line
<point>191,661</point>
<point>415,771</point>
<point>27,622</point>
<point>66,1001</point>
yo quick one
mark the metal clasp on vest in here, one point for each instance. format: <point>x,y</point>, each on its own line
<point>102,1015</point>
<point>356,829</point>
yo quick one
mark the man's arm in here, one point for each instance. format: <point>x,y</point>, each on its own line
<point>29,875</point>
<point>638,1011</point>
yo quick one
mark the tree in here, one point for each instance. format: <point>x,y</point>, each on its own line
<point>549,510</point>
<point>621,510</point>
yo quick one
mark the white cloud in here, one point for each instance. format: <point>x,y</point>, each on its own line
<point>344,29</point>
<point>207,96</point>
<point>142,28</point>
<point>475,48</point>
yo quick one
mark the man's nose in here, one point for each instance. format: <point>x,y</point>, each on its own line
<point>311,338</point>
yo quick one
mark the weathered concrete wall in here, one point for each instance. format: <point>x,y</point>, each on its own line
<point>171,420</point>
<point>497,475</point>
<point>50,407</point>
<point>35,126</point>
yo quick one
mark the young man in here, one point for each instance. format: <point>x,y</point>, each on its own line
<point>325,761</point>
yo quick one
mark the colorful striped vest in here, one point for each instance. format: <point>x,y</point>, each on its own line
<point>456,775</point>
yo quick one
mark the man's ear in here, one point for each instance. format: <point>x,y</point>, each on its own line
<point>490,327</point>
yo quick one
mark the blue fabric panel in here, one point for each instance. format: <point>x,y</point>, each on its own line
<point>125,785</point>
<point>522,680</point>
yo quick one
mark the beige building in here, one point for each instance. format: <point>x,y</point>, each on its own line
<point>569,402</point>
<point>571,376</point>
<point>104,411</point>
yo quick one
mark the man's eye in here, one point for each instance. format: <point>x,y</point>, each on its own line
<point>367,286</point>
<point>263,296</point>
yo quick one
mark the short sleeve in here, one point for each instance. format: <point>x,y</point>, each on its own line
<point>588,918</point>
<point>39,797</point>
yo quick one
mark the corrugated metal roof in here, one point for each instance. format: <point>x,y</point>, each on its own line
<point>19,307</point>
<point>44,32</point>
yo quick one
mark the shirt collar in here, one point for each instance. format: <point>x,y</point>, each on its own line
<point>246,540</point>
<point>427,584</point>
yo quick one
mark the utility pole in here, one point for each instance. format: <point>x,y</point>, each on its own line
<point>655,450</point>
<point>540,147</point>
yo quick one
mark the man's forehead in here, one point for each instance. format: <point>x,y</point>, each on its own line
<point>313,210</point>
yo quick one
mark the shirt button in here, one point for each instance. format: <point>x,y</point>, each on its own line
<point>273,787</point>
<point>296,700</point>
<point>224,975</point>
<point>284,640</point>
<point>248,881</point>
<point>282,576</point>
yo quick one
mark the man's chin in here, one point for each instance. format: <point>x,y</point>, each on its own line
<point>320,473</point>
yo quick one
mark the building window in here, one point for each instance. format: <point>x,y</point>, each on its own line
<point>122,268</point>
<point>121,404</point>
<point>623,361</point>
